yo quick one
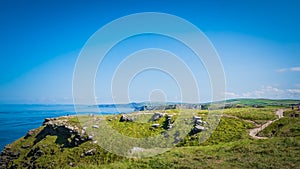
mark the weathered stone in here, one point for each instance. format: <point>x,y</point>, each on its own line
<point>30,133</point>
<point>39,153</point>
<point>71,164</point>
<point>46,120</point>
<point>82,155</point>
<point>198,129</point>
<point>90,152</point>
<point>169,122</point>
<point>199,122</point>
<point>125,118</point>
<point>195,118</point>
<point>25,146</point>
<point>95,126</point>
<point>156,116</point>
<point>155,125</point>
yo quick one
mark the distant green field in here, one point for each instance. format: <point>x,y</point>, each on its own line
<point>263,102</point>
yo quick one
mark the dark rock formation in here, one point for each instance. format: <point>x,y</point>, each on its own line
<point>157,116</point>
<point>125,118</point>
<point>68,135</point>
<point>198,125</point>
<point>90,152</point>
<point>169,124</point>
<point>7,155</point>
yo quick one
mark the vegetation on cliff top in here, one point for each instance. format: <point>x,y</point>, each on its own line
<point>229,145</point>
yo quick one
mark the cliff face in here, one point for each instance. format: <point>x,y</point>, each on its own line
<point>62,131</point>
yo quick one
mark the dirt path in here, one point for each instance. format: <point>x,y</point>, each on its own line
<point>255,131</point>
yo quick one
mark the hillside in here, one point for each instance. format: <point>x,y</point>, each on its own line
<point>67,142</point>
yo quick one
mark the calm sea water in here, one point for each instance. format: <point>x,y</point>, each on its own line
<point>16,120</point>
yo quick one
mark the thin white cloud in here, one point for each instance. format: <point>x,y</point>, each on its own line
<point>269,92</point>
<point>295,69</point>
<point>231,95</point>
<point>292,69</point>
<point>273,93</point>
<point>282,70</point>
<point>294,91</point>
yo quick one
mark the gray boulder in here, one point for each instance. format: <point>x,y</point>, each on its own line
<point>156,116</point>
<point>125,118</point>
<point>155,125</point>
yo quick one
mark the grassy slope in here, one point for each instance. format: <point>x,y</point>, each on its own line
<point>230,146</point>
<point>285,127</point>
<point>273,153</point>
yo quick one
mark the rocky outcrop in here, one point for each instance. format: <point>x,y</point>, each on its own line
<point>198,125</point>
<point>68,135</point>
<point>7,155</point>
<point>125,118</point>
<point>169,124</point>
<point>157,116</point>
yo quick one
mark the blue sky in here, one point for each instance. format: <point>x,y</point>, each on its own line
<point>258,43</point>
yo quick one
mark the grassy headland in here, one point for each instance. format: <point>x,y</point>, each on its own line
<point>67,145</point>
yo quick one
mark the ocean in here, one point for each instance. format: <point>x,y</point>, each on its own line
<point>16,120</point>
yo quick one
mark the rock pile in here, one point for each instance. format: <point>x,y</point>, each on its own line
<point>198,125</point>
<point>169,122</point>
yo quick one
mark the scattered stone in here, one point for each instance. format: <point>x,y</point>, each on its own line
<point>25,164</point>
<point>156,116</point>
<point>39,153</point>
<point>95,126</point>
<point>30,133</point>
<point>125,118</point>
<point>195,118</point>
<point>71,164</point>
<point>25,146</point>
<point>155,125</point>
<point>90,152</point>
<point>198,129</point>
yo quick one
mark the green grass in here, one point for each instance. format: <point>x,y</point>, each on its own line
<point>228,130</point>
<point>284,127</point>
<point>275,153</point>
<point>229,146</point>
<point>262,102</point>
<point>136,129</point>
<point>258,115</point>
